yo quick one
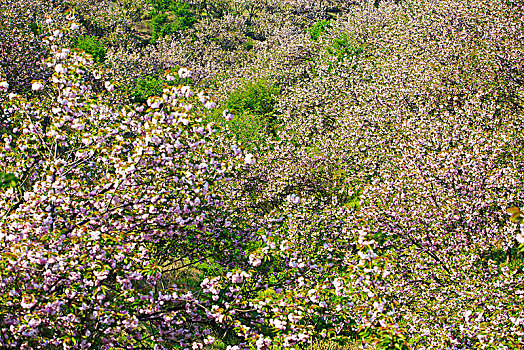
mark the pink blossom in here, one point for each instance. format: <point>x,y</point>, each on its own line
<point>293,198</point>
<point>210,104</point>
<point>4,86</point>
<point>28,302</point>
<point>254,260</point>
<point>109,86</point>
<point>249,159</point>
<point>37,86</point>
<point>154,102</point>
<point>227,115</point>
<point>184,73</point>
<point>60,69</point>
<point>186,91</point>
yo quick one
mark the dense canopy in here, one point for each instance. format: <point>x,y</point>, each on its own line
<point>261,174</point>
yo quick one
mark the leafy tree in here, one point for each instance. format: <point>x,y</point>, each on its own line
<point>343,47</point>
<point>254,108</point>
<point>35,28</point>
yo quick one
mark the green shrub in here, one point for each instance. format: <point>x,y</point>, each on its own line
<point>144,88</point>
<point>318,28</point>
<point>161,26</point>
<point>251,130</point>
<point>93,46</point>
<point>248,45</point>
<point>254,108</point>
<point>169,17</point>
<point>258,98</point>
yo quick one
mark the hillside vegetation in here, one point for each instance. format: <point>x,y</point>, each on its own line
<point>261,174</point>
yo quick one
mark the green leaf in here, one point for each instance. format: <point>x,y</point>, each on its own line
<point>515,217</point>
<point>513,210</point>
<point>8,180</point>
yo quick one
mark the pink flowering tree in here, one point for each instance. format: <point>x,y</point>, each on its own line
<point>115,202</point>
<point>375,209</point>
<point>109,200</point>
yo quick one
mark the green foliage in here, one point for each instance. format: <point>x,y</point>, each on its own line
<point>169,17</point>
<point>254,108</point>
<point>318,28</point>
<point>161,26</point>
<point>386,338</point>
<point>258,98</point>
<point>248,45</point>
<point>35,28</point>
<point>7,180</point>
<point>144,88</point>
<point>251,130</point>
<point>343,47</point>
<point>219,344</point>
<point>93,46</point>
